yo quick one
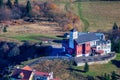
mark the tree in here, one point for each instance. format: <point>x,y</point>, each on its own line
<point>5,29</point>
<point>28,8</point>
<point>86,67</point>
<point>16,3</point>
<point>14,52</point>
<point>1,3</point>
<point>115,26</point>
<point>113,76</point>
<point>106,76</point>
<point>9,3</point>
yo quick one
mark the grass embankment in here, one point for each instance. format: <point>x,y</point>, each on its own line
<point>84,20</point>
<point>99,69</point>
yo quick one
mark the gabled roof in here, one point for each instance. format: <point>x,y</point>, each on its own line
<point>27,68</point>
<point>21,74</point>
<point>86,38</point>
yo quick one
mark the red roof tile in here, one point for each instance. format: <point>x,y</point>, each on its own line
<point>41,73</point>
<point>27,68</point>
<point>25,74</point>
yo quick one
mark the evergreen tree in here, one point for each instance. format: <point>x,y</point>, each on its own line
<point>16,3</point>
<point>5,29</point>
<point>9,3</point>
<point>1,3</point>
<point>28,8</point>
<point>113,76</point>
<point>86,67</point>
<point>106,76</point>
<point>115,26</point>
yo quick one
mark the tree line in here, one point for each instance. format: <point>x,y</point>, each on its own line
<point>10,10</point>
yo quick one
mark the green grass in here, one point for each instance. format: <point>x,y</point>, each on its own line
<point>34,37</point>
<point>84,20</point>
<point>99,69</point>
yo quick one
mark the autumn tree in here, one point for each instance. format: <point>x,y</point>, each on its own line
<point>9,4</point>
<point>35,11</point>
<point>1,3</point>
<point>53,6</point>
<point>28,8</point>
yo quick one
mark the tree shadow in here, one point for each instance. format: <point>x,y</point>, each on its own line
<point>116,63</point>
<point>77,70</point>
<point>57,41</point>
<point>100,77</point>
<point>60,36</point>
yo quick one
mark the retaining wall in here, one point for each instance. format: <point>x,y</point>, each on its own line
<point>97,62</point>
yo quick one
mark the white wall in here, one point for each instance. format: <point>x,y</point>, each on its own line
<point>73,35</point>
<point>105,47</point>
<point>92,43</point>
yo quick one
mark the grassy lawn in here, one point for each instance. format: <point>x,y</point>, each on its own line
<point>34,37</point>
<point>99,69</point>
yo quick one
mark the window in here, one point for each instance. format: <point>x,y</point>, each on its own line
<point>98,48</point>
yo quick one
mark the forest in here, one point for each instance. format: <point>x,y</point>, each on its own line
<point>37,11</point>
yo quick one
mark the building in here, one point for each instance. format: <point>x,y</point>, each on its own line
<point>86,44</point>
<point>27,73</point>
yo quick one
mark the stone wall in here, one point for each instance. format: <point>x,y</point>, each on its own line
<point>97,62</point>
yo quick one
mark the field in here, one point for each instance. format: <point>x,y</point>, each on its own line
<point>98,15</point>
<point>95,15</point>
<point>33,32</point>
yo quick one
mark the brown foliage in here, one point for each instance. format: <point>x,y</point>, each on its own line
<point>68,26</point>
<point>48,10</point>
<point>50,6</point>
<point>36,7</point>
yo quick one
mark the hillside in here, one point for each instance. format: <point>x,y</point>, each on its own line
<point>64,69</point>
<point>94,16</point>
<point>100,15</point>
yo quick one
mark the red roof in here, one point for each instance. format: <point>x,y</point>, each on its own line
<point>41,73</point>
<point>21,74</point>
<point>27,68</point>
